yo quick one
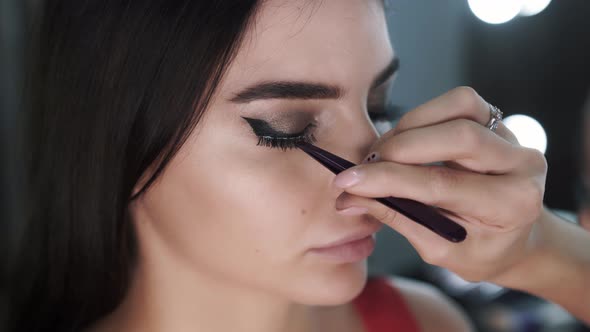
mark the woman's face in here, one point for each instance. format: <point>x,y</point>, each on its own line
<point>252,215</point>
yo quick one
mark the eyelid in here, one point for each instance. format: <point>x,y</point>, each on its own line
<point>282,135</point>
<point>264,128</point>
<point>270,137</point>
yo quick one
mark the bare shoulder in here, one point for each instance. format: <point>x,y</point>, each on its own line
<point>433,310</point>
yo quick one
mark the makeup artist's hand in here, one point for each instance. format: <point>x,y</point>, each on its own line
<point>489,184</point>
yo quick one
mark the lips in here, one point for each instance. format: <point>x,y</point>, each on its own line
<point>349,247</point>
<point>352,236</point>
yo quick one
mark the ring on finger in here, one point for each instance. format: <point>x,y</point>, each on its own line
<point>495,117</point>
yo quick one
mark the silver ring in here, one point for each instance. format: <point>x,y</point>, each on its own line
<point>495,117</point>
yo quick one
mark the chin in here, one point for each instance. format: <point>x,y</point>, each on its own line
<point>334,286</point>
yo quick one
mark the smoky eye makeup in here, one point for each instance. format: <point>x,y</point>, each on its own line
<point>278,134</point>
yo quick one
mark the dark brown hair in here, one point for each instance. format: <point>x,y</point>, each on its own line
<point>116,87</point>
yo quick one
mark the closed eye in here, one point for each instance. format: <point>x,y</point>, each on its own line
<point>273,138</point>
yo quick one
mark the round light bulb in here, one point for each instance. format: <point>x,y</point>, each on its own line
<point>495,11</point>
<point>528,131</point>
<point>533,7</point>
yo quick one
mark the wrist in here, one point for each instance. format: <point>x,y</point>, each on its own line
<point>538,261</point>
<point>556,266</point>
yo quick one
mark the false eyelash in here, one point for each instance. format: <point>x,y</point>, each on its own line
<point>379,116</point>
<point>287,142</point>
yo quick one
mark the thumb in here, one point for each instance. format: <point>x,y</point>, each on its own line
<point>419,236</point>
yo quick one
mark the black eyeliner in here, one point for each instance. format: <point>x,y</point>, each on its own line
<point>270,137</point>
<point>262,128</point>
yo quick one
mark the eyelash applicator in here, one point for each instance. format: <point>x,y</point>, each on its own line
<point>424,215</point>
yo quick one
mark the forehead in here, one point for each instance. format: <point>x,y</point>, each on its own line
<point>330,41</point>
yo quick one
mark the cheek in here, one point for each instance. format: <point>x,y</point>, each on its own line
<point>229,210</point>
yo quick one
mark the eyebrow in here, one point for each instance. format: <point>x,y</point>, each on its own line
<point>288,90</point>
<point>305,90</point>
<point>386,73</point>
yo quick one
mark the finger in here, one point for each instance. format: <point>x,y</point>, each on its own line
<point>422,239</point>
<point>505,133</point>
<point>462,141</point>
<point>459,103</point>
<point>493,200</point>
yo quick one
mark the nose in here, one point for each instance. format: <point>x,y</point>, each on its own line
<point>354,137</point>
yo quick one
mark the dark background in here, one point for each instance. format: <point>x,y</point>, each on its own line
<point>12,40</point>
<point>539,66</point>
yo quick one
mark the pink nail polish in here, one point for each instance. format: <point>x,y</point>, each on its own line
<point>353,211</point>
<point>347,179</point>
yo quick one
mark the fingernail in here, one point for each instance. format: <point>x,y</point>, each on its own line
<point>353,211</point>
<point>347,179</point>
<point>371,158</point>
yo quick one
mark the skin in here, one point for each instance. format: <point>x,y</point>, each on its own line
<point>226,230</point>
<point>225,233</point>
<point>559,260</point>
<point>511,235</point>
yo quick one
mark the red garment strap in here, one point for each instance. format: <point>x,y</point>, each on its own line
<point>383,309</point>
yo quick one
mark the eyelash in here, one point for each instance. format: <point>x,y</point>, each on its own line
<point>288,142</point>
<point>386,112</point>
<point>379,116</point>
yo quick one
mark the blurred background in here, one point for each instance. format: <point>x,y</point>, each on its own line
<point>529,57</point>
